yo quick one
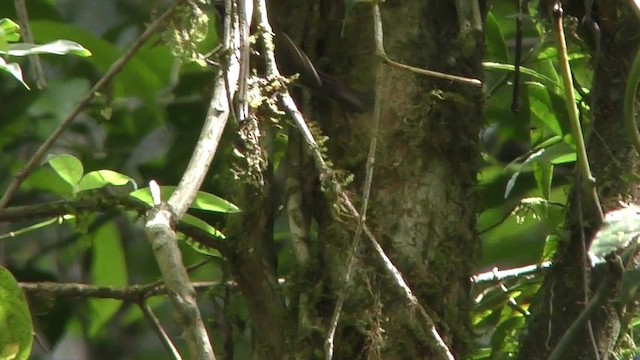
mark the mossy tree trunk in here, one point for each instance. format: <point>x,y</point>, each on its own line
<point>422,205</point>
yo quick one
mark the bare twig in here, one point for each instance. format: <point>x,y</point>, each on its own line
<point>290,106</point>
<point>576,130</point>
<point>501,275</point>
<point>133,293</point>
<point>99,203</point>
<point>115,68</point>
<point>159,330</point>
<point>366,191</point>
<point>413,304</point>
<point>27,36</point>
<point>435,74</point>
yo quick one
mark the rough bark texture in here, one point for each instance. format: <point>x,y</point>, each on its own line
<point>422,206</point>
<point>611,156</point>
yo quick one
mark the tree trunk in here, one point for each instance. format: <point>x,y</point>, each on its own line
<point>610,154</point>
<point>422,205</point>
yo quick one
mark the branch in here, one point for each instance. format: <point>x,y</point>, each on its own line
<point>134,293</point>
<point>100,203</point>
<point>27,37</point>
<point>366,191</point>
<point>115,68</point>
<point>159,227</point>
<point>159,330</point>
<point>630,101</point>
<point>501,275</point>
<point>576,130</point>
<point>290,106</point>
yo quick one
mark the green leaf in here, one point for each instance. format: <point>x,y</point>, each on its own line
<point>138,78</point>
<point>108,268</point>
<point>16,327</point>
<point>496,48</point>
<point>620,227</point>
<point>101,178</point>
<point>542,107</point>
<point>543,173</point>
<point>204,226</point>
<point>10,30</point>
<point>68,167</point>
<point>203,201</point>
<point>13,69</point>
<point>58,47</point>
<point>525,70</point>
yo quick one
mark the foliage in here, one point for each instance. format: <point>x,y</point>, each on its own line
<point>145,125</point>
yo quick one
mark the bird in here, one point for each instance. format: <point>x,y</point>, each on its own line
<point>292,60</point>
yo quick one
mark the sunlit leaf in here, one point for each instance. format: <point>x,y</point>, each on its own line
<point>10,30</point>
<point>101,178</point>
<point>58,47</point>
<point>68,167</point>
<point>203,201</point>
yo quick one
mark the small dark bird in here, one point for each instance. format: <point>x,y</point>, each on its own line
<point>292,60</point>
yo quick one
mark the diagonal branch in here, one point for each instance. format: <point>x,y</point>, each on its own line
<point>325,176</point>
<point>115,68</point>
<point>160,220</point>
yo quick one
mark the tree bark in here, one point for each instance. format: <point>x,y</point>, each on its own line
<point>422,204</point>
<point>611,155</point>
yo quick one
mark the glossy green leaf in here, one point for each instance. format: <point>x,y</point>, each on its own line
<point>203,225</point>
<point>203,201</point>
<point>16,327</point>
<point>101,178</point>
<point>58,47</point>
<point>9,31</point>
<point>68,167</point>
<point>14,70</point>
<point>108,268</point>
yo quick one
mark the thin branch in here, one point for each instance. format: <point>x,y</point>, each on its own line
<point>366,191</point>
<point>133,293</point>
<point>576,130</point>
<point>290,106</point>
<point>502,275</point>
<point>630,102</point>
<point>380,52</point>
<point>115,68</point>
<point>435,74</point>
<point>99,203</point>
<point>27,37</point>
<point>159,330</point>
<point>423,317</point>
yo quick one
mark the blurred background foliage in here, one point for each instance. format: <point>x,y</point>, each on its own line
<point>146,124</point>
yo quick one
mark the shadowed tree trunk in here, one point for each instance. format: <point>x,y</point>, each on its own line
<point>610,154</point>
<point>422,204</point>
